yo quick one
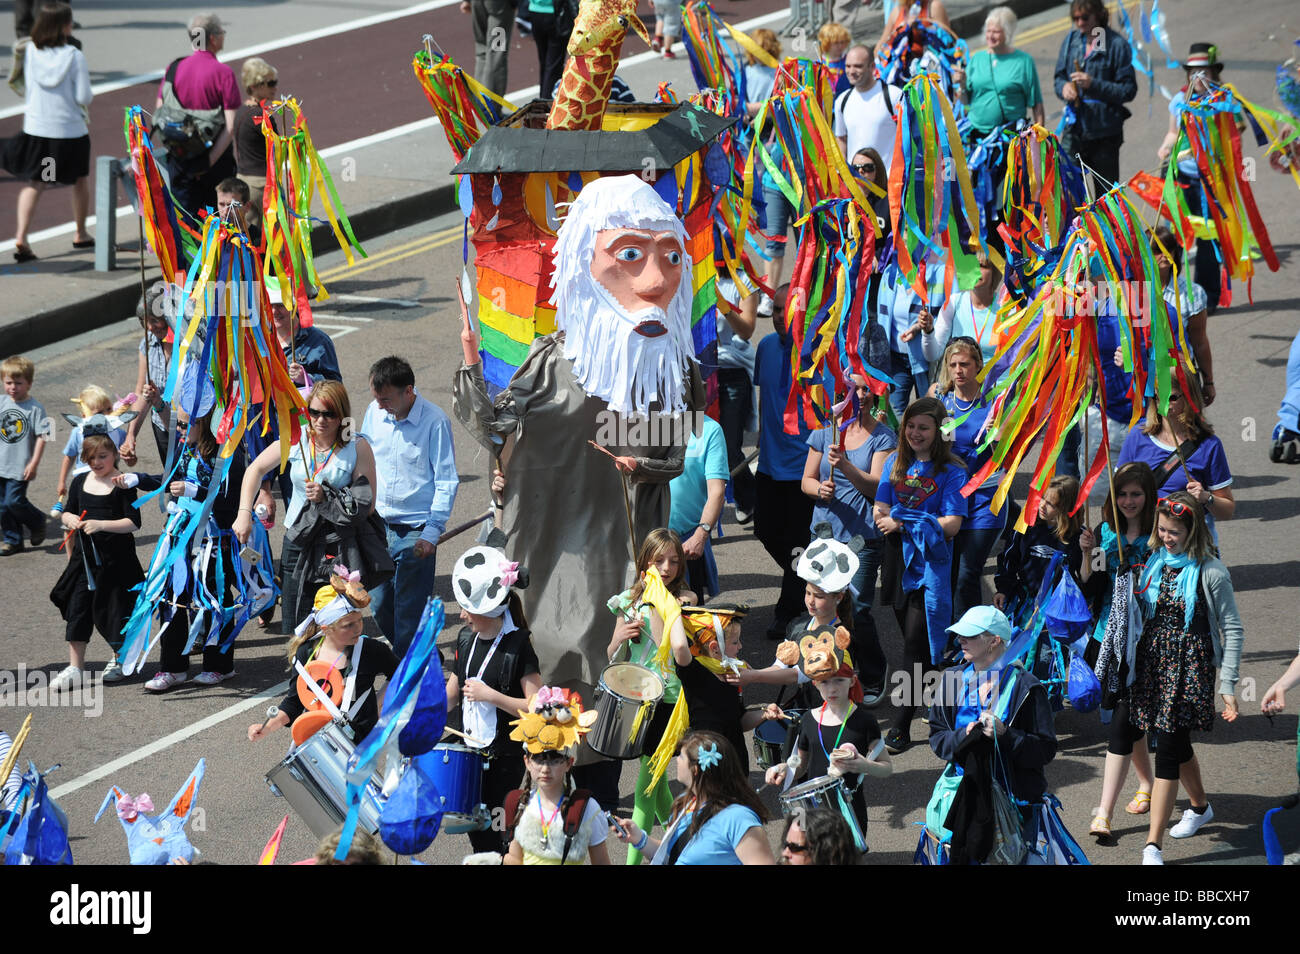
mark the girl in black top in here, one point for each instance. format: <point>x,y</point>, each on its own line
<point>1023,563</point>
<point>495,665</point>
<point>101,551</point>
<point>194,479</point>
<point>332,634</point>
<point>836,737</point>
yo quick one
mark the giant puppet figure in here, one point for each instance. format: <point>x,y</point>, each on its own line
<point>620,370</point>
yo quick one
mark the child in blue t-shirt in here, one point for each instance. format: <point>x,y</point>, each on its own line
<point>919,509</point>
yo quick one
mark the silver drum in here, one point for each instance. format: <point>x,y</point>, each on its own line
<point>313,779</point>
<point>828,792</point>
<point>626,697</point>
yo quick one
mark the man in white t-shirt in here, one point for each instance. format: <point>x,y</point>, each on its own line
<point>864,114</point>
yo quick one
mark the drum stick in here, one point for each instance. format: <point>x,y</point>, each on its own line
<point>458,530</point>
<point>749,458</point>
<point>271,713</point>
<point>468,738</point>
<point>15,747</point>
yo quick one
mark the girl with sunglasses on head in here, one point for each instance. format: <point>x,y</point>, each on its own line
<point>959,389</point>
<point>1183,452</point>
<point>919,508</point>
<point>332,473</point>
<point>1192,628</point>
<point>718,820</point>
<point>1113,559</point>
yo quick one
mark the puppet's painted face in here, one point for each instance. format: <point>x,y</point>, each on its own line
<point>640,270</point>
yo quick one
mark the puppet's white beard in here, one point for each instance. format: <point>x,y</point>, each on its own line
<point>627,370</point>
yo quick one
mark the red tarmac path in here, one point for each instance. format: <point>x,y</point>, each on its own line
<point>351,85</point>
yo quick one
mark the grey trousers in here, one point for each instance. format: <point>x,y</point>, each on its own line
<point>493,22</point>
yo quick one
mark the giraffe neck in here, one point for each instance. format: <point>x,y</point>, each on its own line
<point>584,90</point>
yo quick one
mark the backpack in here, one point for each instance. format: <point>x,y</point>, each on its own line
<point>185,133</point>
<point>516,803</point>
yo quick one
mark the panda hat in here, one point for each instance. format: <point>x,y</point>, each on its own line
<point>483,577</point>
<point>828,564</point>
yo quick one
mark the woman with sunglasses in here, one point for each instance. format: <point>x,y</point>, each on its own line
<point>326,456</point>
<point>1183,452</point>
<point>718,820</point>
<point>958,388</point>
<point>818,836</point>
<point>1192,628</point>
<point>842,474</point>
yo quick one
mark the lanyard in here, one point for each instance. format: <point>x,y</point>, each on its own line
<point>546,822</point>
<point>839,735</point>
<point>315,471</point>
<point>486,659</point>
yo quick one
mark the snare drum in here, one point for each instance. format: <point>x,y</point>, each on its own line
<point>769,739</point>
<point>313,779</point>
<point>457,773</point>
<point>827,792</point>
<point>625,701</point>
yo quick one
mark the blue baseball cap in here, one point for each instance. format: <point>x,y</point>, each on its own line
<point>983,619</point>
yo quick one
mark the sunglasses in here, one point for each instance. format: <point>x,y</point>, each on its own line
<point>271,84</point>
<point>1175,507</point>
<point>864,167</point>
<point>547,758</point>
<point>318,414</point>
<point>795,849</point>
<point>967,339</point>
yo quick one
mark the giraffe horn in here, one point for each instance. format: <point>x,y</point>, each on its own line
<point>635,22</point>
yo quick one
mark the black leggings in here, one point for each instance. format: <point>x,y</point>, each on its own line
<point>1173,749</point>
<point>916,649</point>
<point>503,774</point>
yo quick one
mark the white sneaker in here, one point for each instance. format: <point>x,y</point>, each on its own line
<point>212,678</point>
<point>68,679</point>
<point>1151,855</point>
<point>765,306</point>
<point>166,680</point>
<point>1191,822</point>
<point>113,672</point>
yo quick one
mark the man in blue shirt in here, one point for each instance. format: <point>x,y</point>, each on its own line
<point>415,469</point>
<point>697,496</point>
<point>783,511</point>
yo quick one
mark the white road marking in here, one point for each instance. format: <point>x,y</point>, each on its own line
<point>343,148</point>
<point>399,302</point>
<point>167,741</point>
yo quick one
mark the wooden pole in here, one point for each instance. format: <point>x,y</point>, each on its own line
<point>12,758</point>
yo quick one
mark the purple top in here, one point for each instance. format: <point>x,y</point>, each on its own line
<point>204,83</point>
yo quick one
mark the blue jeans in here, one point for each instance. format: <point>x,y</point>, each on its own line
<point>16,511</point>
<point>970,551</point>
<point>867,654</point>
<point>398,602</point>
<point>904,379</point>
<point>735,406</point>
<point>779,215</point>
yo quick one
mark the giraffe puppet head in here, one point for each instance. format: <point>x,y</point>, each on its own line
<point>601,26</point>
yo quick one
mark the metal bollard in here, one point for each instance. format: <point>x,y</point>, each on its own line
<point>798,17</point>
<point>106,173</point>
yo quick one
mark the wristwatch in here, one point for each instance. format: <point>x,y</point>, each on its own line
<point>705,527</point>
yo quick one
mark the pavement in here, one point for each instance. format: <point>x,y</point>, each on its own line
<point>387,154</point>
<point>401,301</point>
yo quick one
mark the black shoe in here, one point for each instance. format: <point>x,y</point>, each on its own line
<point>38,535</point>
<point>871,695</point>
<point>778,629</point>
<point>1286,448</point>
<point>897,741</point>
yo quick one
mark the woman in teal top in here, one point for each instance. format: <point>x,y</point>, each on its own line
<point>325,455</point>
<point>1002,82</point>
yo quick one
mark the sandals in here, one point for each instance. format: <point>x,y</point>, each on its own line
<point>1100,827</point>
<point>24,253</point>
<point>1141,803</point>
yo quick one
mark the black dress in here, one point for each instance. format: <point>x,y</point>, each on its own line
<point>714,706</point>
<point>107,559</point>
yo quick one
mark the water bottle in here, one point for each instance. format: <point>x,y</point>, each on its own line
<point>263,513</point>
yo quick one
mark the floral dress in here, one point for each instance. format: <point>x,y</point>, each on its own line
<point>1174,688</point>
